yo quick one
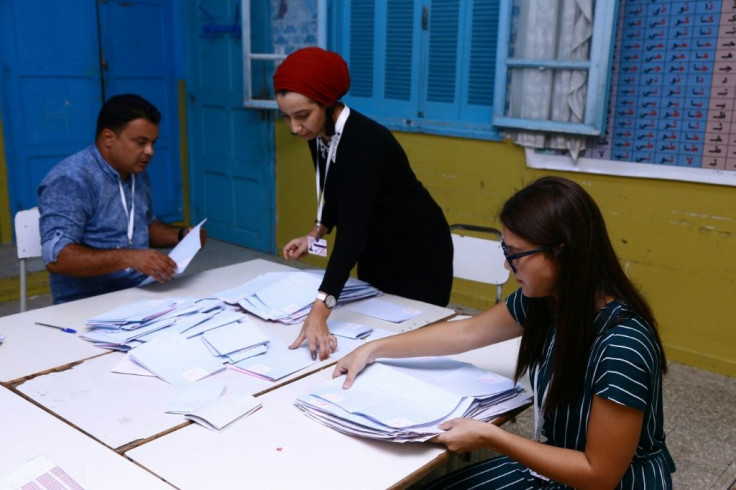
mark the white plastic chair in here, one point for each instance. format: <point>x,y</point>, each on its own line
<point>479,259</point>
<point>28,240</point>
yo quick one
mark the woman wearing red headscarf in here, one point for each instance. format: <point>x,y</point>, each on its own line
<point>386,220</point>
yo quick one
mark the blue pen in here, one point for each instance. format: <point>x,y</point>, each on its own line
<point>63,329</point>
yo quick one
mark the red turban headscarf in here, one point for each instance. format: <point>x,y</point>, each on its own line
<point>321,75</point>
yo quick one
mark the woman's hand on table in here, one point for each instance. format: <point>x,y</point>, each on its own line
<point>316,333</point>
<point>352,364</point>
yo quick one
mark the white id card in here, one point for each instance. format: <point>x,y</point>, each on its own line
<point>317,247</point>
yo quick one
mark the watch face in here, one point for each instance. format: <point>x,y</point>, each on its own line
<point>330,301</point>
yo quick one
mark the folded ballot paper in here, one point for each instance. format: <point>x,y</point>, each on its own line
<point>348,329</point>
<point>277,362</point>
<point>184,251</point>
<point>404,400</point>
<point>211,405</point>
<point>287,297</point>
<point>176,359</point>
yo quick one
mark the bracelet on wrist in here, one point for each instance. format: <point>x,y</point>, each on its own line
<point>181,233</point>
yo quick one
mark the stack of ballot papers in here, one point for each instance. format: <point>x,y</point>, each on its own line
<point>131,325</point>
<point>287,297</point>
<point>403,400</point>
<point>179,359</point>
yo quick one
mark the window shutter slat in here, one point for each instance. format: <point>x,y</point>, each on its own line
<point>443,38</point>
<point>362,28</point>
<point>482,69</point>
<point>399,49</point>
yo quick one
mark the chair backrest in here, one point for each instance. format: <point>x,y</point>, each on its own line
<point>27,235</point>
<point>479,259</point>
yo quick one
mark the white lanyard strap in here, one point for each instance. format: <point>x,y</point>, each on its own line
<point>538,404</point>
<point>331,151</point>
<point>129,214</point>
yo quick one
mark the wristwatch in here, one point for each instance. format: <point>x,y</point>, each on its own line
<point>328,299</point>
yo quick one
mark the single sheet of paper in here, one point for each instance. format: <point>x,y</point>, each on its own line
<point>184,251</point>
<point>278,361</point>
<point>39,473</point>
<point>187,248</point>
<point>176,359</point>
<point>384,310</point>
<point>348,329</point>
<point>126,365</point>
<point>234,337</point>
<point>193,396</point>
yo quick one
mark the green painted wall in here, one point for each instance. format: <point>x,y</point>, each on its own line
<point>676,240</point>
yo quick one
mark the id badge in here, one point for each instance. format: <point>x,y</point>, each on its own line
<point>317,247</point>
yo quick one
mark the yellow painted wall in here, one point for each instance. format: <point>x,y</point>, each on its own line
<point>6,225</point>
<point>676,240</point>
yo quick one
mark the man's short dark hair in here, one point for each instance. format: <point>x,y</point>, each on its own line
<point>119,110</point>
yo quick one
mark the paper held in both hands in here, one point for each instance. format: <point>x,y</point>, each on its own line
<point>404,400</point>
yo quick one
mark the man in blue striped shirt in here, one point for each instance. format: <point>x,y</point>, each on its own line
<point>97,223</point>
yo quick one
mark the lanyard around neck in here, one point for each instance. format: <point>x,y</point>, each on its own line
<point>538,404</point>
<point>129,214</point>
<point>332,149</point>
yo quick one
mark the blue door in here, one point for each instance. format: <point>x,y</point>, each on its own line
<point>137,52</point>
<point>51,89</point>
<point>60,60</point>
<point>231,148</point>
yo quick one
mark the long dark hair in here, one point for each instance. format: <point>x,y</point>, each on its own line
<point>557,212</point>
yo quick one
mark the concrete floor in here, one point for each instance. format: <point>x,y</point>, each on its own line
<point>700,406</point>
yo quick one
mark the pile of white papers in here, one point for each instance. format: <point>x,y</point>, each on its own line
<point>179,359</point>
<point>404,400</point>
<point>287,297</point>
<point>130,325</point>
<point>133,316</point>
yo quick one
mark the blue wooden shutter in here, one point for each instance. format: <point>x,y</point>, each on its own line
<point>461,64</point>
<point>421,65</point>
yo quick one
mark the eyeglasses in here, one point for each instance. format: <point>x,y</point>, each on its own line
<point>511,257</point>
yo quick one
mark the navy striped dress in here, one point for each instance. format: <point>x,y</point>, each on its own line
<point>624,367</point>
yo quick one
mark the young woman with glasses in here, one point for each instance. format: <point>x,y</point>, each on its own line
<point>588,341</point>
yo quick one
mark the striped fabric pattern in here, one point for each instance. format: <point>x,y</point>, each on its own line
<point>624,368</point>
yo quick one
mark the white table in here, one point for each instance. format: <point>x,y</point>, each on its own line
<point>125,409</point>
<point>30,349</point>
<point>29,432</point>
<point>122,410</point>
<point>279,447</point>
